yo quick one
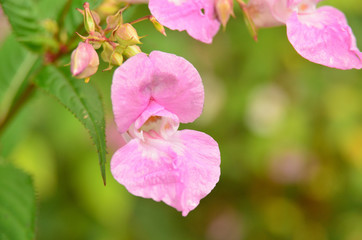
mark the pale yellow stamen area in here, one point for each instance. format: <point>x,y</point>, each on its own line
<point>152,119</point>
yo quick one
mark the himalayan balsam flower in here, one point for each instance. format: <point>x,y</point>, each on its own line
<point>151,95</point>
<point>321,35</point>
<point>84,61</point>
<point>197,17</point>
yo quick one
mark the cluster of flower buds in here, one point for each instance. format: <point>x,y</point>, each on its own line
<point>118,41</point>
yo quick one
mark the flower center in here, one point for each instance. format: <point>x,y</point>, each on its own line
<point>155,127</point>
<point>303,7</point>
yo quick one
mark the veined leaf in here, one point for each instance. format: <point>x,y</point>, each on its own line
<point>74,19</point>
<point>82,100</point>
<point>17,204</point>
<point>15,64</point>
<point>22,15</point>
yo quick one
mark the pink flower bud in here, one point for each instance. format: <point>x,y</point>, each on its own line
<point>84,61</point>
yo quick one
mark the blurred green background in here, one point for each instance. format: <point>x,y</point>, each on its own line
<point>289,131</point>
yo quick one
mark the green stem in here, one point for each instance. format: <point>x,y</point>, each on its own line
<point>141,19</point>
<point>15,83</point>
<point>63,14</point>
<point>17,106</point>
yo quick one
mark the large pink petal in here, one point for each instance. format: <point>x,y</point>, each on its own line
<point>178,172</point>
<point>324,37</point>
<point>177,86</point>
<point>130,92</point>
<point>197,17</point>
<point>169,80</point>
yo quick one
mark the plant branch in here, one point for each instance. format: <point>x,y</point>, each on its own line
<point>63,14</point>
<point>17,106</point>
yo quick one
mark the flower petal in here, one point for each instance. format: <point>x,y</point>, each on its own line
<point>165,78</point>
<point>130,92</point>
<point>324,37</point>
<point>197,17</point>
<point>177,86</point>
<point>178,172</point>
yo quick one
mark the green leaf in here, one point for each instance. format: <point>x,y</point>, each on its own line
<point>74,19</point>
<point>16,62</point>
<point>82,100</point>
<point>22,15</point>
<point>17,204</point>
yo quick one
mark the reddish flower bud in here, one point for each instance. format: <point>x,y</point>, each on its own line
<point>84,61</point>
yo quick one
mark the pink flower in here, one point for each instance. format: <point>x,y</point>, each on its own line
<point>84,61</point>
<point>151,95</point>
<point>321,35</point>
<point>197,17</point>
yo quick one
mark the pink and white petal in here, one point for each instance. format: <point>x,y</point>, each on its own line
<point>324,37</point>
<point>177,86</point>
<point>154,109</point>
<point>197,17</point>
<point>260,12</point>
<point>179,172</point>
<point>202,158</point>
<point>130,92</point>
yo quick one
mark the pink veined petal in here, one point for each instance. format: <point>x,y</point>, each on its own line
<point>197,17</point>
<point>130,92</point>
<point>177,86</point>
<point>167,79</point>
<point>324,37</point>
<point>179,172</point>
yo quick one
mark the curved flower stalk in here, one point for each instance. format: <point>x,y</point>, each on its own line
<point>197,17</point>
<point>321,35</point>
<point>151,95</point>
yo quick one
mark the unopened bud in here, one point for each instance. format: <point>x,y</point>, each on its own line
<point>131,51</point>
<point>84,61</point>
<point>158,25</point>
<point>114,20</point>
<point>224,8</point>
<point>116,59</point>
<point>89,22</point>
<point>107,52</point>
<point>126,34</point>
